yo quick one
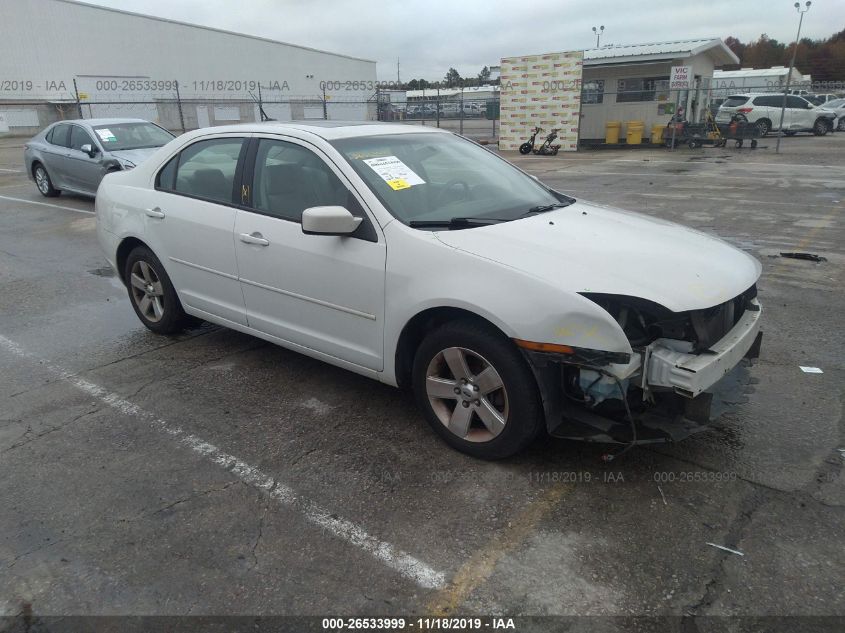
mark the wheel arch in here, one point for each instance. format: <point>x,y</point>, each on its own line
<point>416,329</point>
<point>125,247</point>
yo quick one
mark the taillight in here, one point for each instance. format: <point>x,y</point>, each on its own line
<point>745,110</point>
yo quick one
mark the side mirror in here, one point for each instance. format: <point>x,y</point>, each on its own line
<point>89,149</point>
<point>332,220</point>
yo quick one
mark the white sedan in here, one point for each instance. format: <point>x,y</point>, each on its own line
<point>420,259</point>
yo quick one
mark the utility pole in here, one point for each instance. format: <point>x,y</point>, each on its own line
<point>398,81</point>
<point>791,66</point>
<point>598,33</point>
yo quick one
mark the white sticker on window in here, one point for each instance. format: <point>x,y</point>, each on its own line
<point>106,135</point>
<point>394,172</point>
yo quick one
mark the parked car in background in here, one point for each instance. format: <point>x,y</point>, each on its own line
<point>821,99</point>
<point>75,155</point>
<point>837,106</point>
<point>765,110</point>
<point>450,109</point>
<point>417,258</point>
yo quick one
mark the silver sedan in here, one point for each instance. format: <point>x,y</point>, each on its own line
<point>75,155</point>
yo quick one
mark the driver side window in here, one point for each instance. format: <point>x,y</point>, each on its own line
<point>79,137</point>
<point>289,179</point>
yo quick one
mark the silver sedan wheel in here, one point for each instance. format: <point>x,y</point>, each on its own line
<point>467,394</point>
<point>146,291</point>
<point>41,180</point>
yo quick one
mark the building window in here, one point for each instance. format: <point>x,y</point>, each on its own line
<point>642,89</point>
<point>593,91</point>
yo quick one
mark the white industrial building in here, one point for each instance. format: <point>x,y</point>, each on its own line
<point>631,82</point>
<point>52,50</point>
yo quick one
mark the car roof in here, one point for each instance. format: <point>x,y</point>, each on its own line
<point>760,94</point>
<point>94,122</point>
<point>328,130</point>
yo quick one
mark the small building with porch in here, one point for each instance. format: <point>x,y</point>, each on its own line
<point>631,82</point>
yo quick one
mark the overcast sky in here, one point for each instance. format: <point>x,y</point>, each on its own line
<point>428,37</point>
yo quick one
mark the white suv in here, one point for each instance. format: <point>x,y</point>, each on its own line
<point>764,110</point>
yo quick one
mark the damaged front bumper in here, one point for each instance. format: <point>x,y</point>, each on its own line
<point>670,365</point>
<point>660,395</point>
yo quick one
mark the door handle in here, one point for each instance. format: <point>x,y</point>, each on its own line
<point>254,238</point>
<point>155,212</point>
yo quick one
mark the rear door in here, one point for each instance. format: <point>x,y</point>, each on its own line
<point>322,292</point>
<point>189,223</point>
<point>53,154</point>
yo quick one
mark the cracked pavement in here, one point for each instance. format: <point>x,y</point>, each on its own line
<point>104,514</point>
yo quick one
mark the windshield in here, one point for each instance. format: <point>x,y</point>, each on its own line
<point>120,136</point>
<point>437,177</point>
<point>836,103</point>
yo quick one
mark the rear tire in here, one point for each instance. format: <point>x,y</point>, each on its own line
<point>152,294</point>
<point>764,126</point>
<point>841,126</point>
<point>43,182</point>
<point>497,410</point>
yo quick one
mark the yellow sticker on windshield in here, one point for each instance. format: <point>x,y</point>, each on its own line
<point>398,183</point>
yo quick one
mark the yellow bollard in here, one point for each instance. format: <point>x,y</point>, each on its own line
<point>611,135</point>
<point>657,134</point>
<point>634,132</point>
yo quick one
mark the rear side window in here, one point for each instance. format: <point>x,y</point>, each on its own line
<point>734,102</point>
<point>167,176</point>
<point>204,170</point>
<point>59,135</point>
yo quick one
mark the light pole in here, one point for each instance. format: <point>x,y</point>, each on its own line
<point>801,13</point>
<point>598,33</point>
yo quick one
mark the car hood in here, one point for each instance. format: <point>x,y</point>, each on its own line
<point>135,156</point>
<point>591,248</point>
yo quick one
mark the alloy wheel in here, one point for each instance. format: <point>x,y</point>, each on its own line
<point>467,394</point>
<point>41,180</point>
<point>147,291</point>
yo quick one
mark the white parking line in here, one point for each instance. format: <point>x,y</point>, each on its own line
<point>12,171</point>
<point>46,204</point>
<point>348,531</point>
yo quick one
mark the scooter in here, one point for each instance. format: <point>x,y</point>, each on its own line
<point>528,145</point>
<point>547,149</point>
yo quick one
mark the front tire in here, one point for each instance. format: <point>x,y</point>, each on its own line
<point>841,126</point>
<point>525,148</point>
<point>152,294</point>
<point>43,182</point>
<point>476,390</point>
<point>820,127</point>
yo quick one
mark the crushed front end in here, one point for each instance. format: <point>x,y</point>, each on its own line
<point>657,393</point>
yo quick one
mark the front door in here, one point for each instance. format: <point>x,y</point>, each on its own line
<point>84,172</point>
<point>189,221</point>
<point>321,292</point>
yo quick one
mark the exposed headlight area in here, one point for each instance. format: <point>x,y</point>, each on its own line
<point>126,165</point>
<point>644,321</point>
<point>658,392</point>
